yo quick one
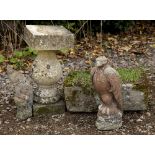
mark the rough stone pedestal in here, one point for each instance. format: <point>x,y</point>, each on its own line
<point>47,71</point>
<point>24,112</point>
<point>23,93</point>
<point>110,122</point>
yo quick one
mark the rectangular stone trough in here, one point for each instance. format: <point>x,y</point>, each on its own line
<point>78,101</point>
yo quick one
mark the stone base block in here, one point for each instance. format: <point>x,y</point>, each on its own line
<point>53,109</point>
<point>133,100</point>
<point>109,122</point>
<point>77,100</point>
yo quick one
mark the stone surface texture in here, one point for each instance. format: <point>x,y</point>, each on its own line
<point>46,68</point>
<point>46,95</point>
<point>43,37</point>
<point>53,109</point>
<point>133,99</point>
<point>23,95</point>
<point>79,101</point>
<point>47,71</point>
<point>109,122</point>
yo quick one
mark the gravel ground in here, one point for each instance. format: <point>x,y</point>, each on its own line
<point>75,123</point>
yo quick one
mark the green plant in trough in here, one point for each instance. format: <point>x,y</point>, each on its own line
<point>79,78</point>
<point>130,74</point>
<point>83,78</point>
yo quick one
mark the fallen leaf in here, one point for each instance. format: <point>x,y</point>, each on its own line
<point>1,70</point>
<point>113,39</point>
<point>66,68</point>
<point>125,48</point>
<point>88,62</point>
<point>135,42</point>
<point>153,45</point>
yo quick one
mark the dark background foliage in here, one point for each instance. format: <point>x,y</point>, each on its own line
<point>11,32</point>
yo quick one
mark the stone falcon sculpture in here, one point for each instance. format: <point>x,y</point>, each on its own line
<point>107,84</point>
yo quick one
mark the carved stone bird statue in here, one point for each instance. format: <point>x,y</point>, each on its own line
<point>107,84</point>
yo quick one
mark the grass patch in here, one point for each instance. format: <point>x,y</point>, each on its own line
<point>130,74</point>
<point>19,59</point>
<point>83,78</point>
<point>28,52</point>
<point>79,78</point>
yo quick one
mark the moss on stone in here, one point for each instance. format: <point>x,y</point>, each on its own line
<point>43,110</point>
<point>127,75</point>
<point>53,109</point>
<point>143,85</point>
<point>130,75</point>
<point>79,78</point>
<point>137,77</point>
<point>83,78</point>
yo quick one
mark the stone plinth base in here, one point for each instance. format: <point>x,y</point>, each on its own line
<point>109,122</point>
<point>53,109</point>
<point>77,100</point>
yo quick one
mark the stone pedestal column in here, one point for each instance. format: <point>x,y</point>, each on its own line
<point>47,40</point>
<point>46,72</point>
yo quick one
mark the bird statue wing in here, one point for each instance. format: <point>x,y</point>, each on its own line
<point>92,72</point>
<point>115,83</point>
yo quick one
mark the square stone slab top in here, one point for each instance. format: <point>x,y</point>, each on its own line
<point>43,37</point>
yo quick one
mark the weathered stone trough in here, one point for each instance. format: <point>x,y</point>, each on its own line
<point>47,71</point>
<point>79,100</point>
